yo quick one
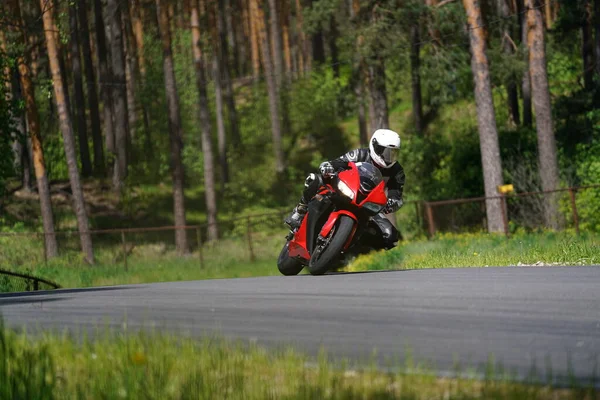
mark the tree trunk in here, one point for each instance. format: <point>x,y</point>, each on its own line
<point>360,100</point>
<point>543,114</point>
<point>415,73</point>
<point>91,88</point>
<point>318,47</point>
<point>587,47</point>
<point>26,160</point>
<point>285,22</point>
<point>67,132</point>
<point>119,94</point>
<point>140,71</point>
<point>548,13</point>
<point>259,17</point>
<point>372,113</point>
<point>276,41</point>
<point>39,164</point>
<point>20,148</point>
<point>230,31</point>
<point>243,37</point>
<point>333,49</point>
<point>510,84</point>
<point>84,150</point>
<point>303,65</point>
<point>486,119</point>
<point>216,65</point>
<point>33,124</point>
<point>205,126</point>
<point>175,129</point>
<point>221,134</point>
<point>132,72</point>
<point>254,43</point>
<point>526,82</point>
<point>379,117</point>
<point>138,31</point>
<point>597,31</point>
<point>226,77</point>
<point>105,79</point>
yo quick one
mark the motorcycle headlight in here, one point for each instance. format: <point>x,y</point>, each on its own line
<point>374,207</point>
<point>345,189</point>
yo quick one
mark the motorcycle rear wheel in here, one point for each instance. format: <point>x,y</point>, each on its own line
<point>324,256</point>
<point>287,265</point>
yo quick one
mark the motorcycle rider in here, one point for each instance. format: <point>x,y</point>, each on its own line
<point>382,152</point>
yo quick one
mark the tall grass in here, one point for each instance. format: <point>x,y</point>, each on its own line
<point>159,366</point>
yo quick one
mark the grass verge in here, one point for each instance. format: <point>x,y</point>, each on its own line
<point>147,261</point>
<point>159,366</point>
<point>151,261</point>
<point>478,250</point>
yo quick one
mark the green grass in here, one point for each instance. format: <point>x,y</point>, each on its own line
<point>161,366</point>
<point>479,250</point>
<point>148,261</point>
<point>154,260</point>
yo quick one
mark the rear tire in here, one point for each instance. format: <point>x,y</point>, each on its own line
<point>287,265</point>
<point>324,259</point>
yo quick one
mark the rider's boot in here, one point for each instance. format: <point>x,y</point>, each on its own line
<point>294,220</point>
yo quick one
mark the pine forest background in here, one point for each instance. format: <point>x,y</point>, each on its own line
<point>178,111</point>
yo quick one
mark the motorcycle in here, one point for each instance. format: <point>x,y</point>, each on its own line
<point>336,224</point>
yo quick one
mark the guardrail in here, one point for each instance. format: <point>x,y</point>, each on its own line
<point>11,281</point>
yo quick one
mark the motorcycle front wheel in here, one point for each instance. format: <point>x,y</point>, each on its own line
<point>325,255</point>
<point>287,265</point>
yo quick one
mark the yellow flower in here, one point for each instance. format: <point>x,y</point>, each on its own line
<point>138,358</point>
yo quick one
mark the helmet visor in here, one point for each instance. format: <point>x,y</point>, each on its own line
<point>388,154</point>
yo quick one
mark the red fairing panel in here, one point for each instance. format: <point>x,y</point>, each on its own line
<point>297,246</point>
<point>377,196</point>
<point>333,217</point>
<point>351,178</point>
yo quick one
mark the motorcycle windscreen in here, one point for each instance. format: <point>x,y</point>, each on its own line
<point>370,176</point>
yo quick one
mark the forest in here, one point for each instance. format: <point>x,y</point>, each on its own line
<point>238,100</point>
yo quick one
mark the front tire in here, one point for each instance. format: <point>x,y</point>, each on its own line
<point>324,256</point>
<point>287,265</point>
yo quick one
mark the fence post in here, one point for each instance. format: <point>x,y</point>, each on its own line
<point>430,220</point>
<point>199,240</point>
<point>124,249</point>
<point>574,209</point>
<point>252,258</point>
<point>504,215</point>
<point>418,221</point>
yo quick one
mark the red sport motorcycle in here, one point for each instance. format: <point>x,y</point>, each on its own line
<point>335,225</point>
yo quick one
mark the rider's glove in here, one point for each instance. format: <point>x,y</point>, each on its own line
<point>327,169</point>
<point>392,205</point>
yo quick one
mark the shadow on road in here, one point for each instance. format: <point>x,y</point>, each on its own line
<point>363,272</point>
<point>26,300</point>
<point>63,291</point>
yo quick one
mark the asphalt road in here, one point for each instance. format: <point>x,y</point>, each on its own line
<point>524,316</point>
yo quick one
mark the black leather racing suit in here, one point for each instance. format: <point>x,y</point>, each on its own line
<point>394,178</point>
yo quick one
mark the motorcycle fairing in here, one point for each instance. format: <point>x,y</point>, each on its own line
<point>333,217</point>
<point>352,178</point>
<point>304,239</point>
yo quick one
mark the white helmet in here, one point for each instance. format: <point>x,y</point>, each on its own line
<point>384,147</point>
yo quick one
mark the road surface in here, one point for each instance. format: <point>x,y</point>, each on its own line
<point>524,316</point>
